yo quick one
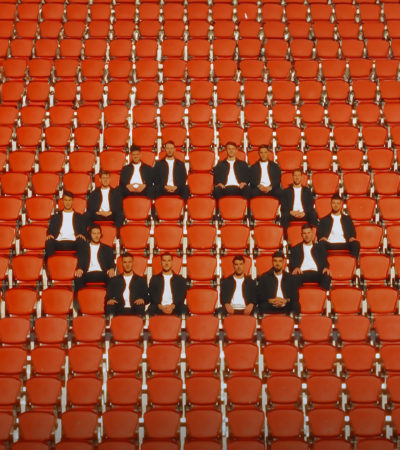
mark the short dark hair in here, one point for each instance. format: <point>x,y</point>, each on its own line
<point>134,148</point>
<point>238,258</point>
<point>170,141</point>
<point>166,254</point>
<point>264,146</point>
<point>103,172</point>
<point>231,143</point>
<point>336,197</point>
<point>94,227</point>
<point>127,255</point>
<point>306,226</point>
<point>297,170</point>
<point>68,194</point>
<point>278,254</point>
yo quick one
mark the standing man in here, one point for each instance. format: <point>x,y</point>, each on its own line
<point>231,176</point>
<point>167,290</point>
<point>308,261</point>
<point>277,290</point>
<point>170,175</point>
<point>95,261</point>
<point>66,230</point>
<point>136,177</point>
<point>238,292</point>
<point>336,231</point>
<point>298,203</point>
<point>105,203</point>
<point>127,294</point>
<point>265,176</point>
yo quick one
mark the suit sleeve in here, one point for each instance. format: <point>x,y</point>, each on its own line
<point>92,204</point>
<point>262,290</point>
<point>53,227</point>
<point>158,175</point>
<point>180,293</point>
<point>308,200</point>
<point>181,173</point>
<point>154,289</point>
<point>251,291</point>
<point>275,176</point>
<point>293,288</point>
<point>109,258</point>
<point>83,257</point>
<point>322,257</point>
<point>244,175</point>
<point>350,230</point>
<point>323,228</point>
<point>116,202</point>
<point>218,173</point>
<point>294,258</point>
<point>141,290</point>
<point>225,291</point>
<point>80,224</point>
<point>112,289</point>
<point>124,176</point>
<point>253,175</point>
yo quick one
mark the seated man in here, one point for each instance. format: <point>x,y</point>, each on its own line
<point>277,290</point>
<point>105,203</point>
<point>167,290</point>
<point>265,176</point>
<point>308,261</point>
<point>336,231</point>
<point>95,261</point>
<point>66,229</point>
<point>238,292</point>
<point>298,203</point>
<point>231,176</point>
<point>170,175</point>
<point>127,294</point>
<point>136,178</point>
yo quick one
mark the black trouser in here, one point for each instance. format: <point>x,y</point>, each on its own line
<point>154,310</point>
<point>118,219</point>
<point>119,310</point>
<point>310,217</point>
<point>147,192</point>
<point>231,191</point>
<point>52,245</point>
<point>224,312</point>
<point>274,192</point>
<point>353,246</point>
<point>181,191</point>
<point>90,277</point>
<point>268,308</point>
<point>312,276</point>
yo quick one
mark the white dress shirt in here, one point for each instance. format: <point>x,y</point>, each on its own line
<point>136,177</point>
<point>238,301</point>
<point>308,261</point>
<point>127,292</point>
<point>170,179</point>
<point>67,232</point>
<point>297,205</point>
<point>94,265</point>
<point>265,180</point>
<point>336,235</point>
<point>105,199</point>
<point>167,298</point>
<point>232,180</point>
<point>279,292</point>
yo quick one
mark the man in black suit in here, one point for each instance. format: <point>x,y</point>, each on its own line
<point>336,231</point>
<point>167,290</point>
<point>231,176</point>
<point>298,203</point>
<point>170,175</point>
<point>66,230</point>
<point>95,261</point>
<point>308,261</point>
<point>265,176</point>
<point>127,294</point>
<point>238,292</point>
<point>277,290</point>
<point>105,203</point>
<point>136,178</point>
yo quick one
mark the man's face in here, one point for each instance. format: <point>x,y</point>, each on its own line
<point>95,235</point>
<point>170,150</point>
<point>263,152</point>
<point>277,263</point>
<point>336,205</point>
<point>238,267</point>
<point>297,176</point>
<point>231,150</point>
<point>166,263</point>
<point>135,156</point>
<point>307,235</point>
<point>67,202</point>
<point>105,179</point>
<point>127,264</point>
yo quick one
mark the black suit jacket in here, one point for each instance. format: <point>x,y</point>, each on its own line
<point>178,288</point>
<point>307,200</point>
<point>221,171</point>
<point>78,222</point>
<point>137,289</point>
<point>105,257</point>
<point>145,171</point>
<point>228,286</point>
<point>274,173</point>
<point>325,227</point>
<point>318,253</point>
<point>161,173</point>
<point>268,285</point>
<point>94,201</point>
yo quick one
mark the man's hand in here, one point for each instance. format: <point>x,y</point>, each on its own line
<point>278,302</point>
<point>111,272</point>
<point>297,271</point>
<point>141,187</point>
<point>112,302</point>
<point>81,236</point>
<point>242,185</point>
<point>139,301</point>
<point>229,309</point>
<point>352,239</point>
<point>78,273</point>
<point>131,188</point>
<point>104,213</point>
<point>323,239</point>
<point>220,185</point>
<point>326,271</point>
<point>249,309</point>
<point>50,236</point>
<point>170,188</point>
<point>263,188</point>
<point>167,309</point>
